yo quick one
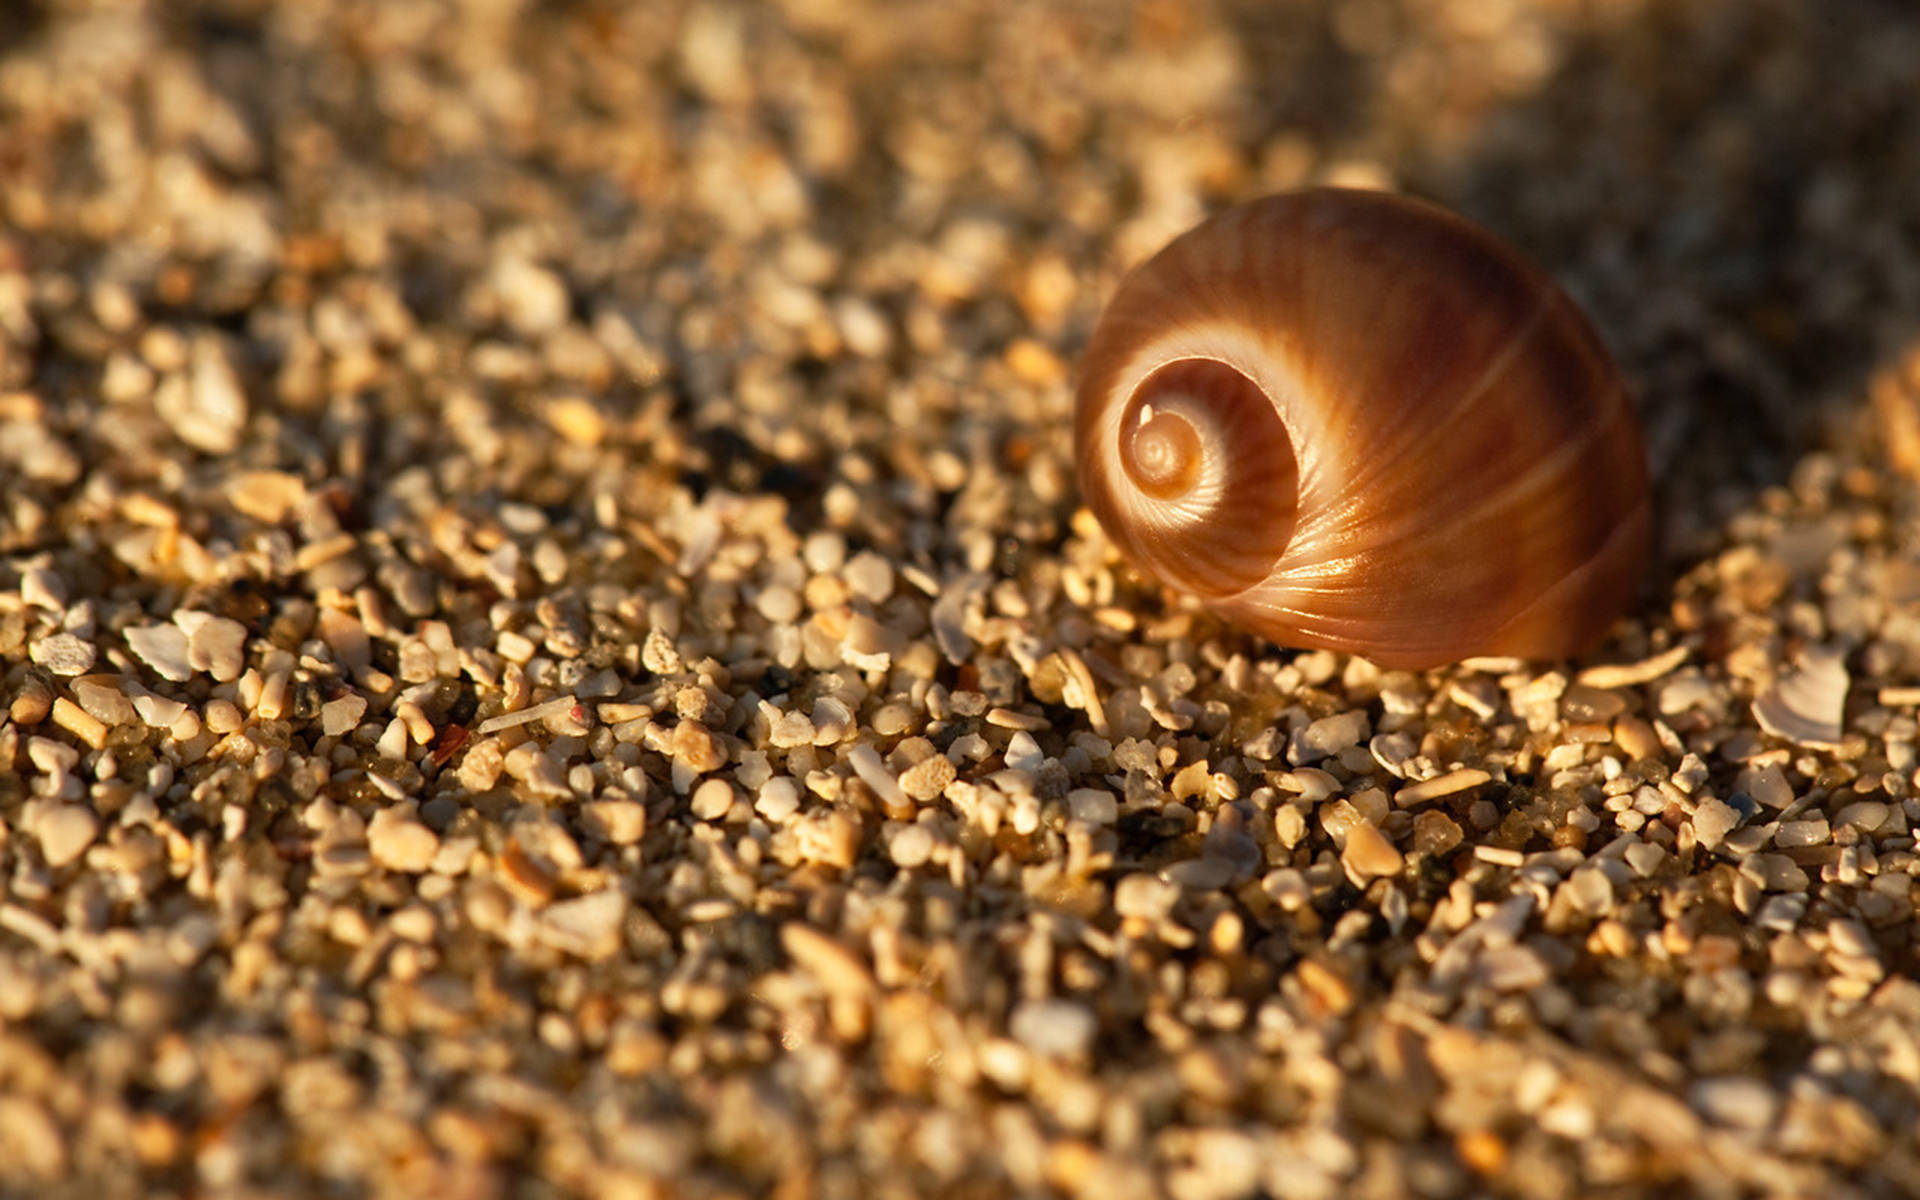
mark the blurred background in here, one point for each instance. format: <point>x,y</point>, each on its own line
<point>808,210</point>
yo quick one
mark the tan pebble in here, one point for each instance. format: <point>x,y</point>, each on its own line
<point>621,822</point>
<point>398,840</point>
<point>1440,785</point>
<point>1006,718</point>
<point>415,923</point>
<point>1482,1151</point>
<point>830,838</point>
<point>578,420</point>
<point>1636,737</point>
<point>525,876</point>
<point>216,645</point>
<point>65,832</point>
<point>266,496</point>
<point>1190,780</point>
<point>928,778</point>
<point>1369,854</point>
<point>480,769</point>
<point>586,926</point>
<point>163,648</point>
<point>911,847</point>
<point>1325,986</point>
<point>695,747</point>
<point>80,723</point>
<point>223,716</point>
<point>870,576</point>
<point>712,800</point>
<point>832,965</point>
<point>1033,363</point>
<point>31,703</point>
<point>156,1140</point>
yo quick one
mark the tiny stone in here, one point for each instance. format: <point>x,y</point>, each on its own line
<point>65,832</point>
<point>928,778</point>
<point>1054,1028</point>
<point>870,576</point>
<point>341,717</point>
<point>64,654</point>
<point>586,926</point>
<point>1767,784</point>
<point>1095,806</point>
<point>1329,736</point>
<point>1735,1101</point>
<point>1644,858</point>
<point>912,846</point>
<point>696,748</point>
<point>164,648</point>
<point>712,800</point>
<point>1435,833</point>
<point>217,646</point>
<point>1369,854</point>
<point>100,697</point>
<point>42,588</point>
<point>158,711</point>
<point>207,409</point>
<point>621,822</point>
<point>1144,896</point>
<point>779,605</point>
<point>1712,821</point>
<point>399,842</point>
<point>779,799</point>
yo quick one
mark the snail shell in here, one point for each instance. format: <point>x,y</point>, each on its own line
<point>1355,421</point>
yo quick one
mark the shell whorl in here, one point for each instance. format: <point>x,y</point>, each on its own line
<point>1353,420</point>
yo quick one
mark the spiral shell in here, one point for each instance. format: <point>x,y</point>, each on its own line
<point>1355,421</point>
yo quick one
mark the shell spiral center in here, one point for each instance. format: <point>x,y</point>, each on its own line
<point>1214,474</point>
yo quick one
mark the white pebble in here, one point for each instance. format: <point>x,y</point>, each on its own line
<point>164,648</point>
<point>63,654</point>
<point>1055,1028</point>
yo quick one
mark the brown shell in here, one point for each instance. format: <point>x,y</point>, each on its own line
<point>1356,421</point>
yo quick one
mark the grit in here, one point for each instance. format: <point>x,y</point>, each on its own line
<point>548,644</point>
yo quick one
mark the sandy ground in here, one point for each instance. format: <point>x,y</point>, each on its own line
<point>549,645</point>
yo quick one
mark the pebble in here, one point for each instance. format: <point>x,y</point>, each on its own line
<point>911,847</point>
<point>1329,736</point>
<point>778,800</point>
<point>101,696</point>
<point>215,645</point>
<point>63,654</point>
<point>1734,1101</point>
<point>342,716</point>
<point>1368,854</point>
<point>65,831</point>
<point>1053,1028</point>
<point>206,409</point>
<point>712,800</point>
<point>1440,785</point>
<point>163,648</point>
<point>588,927</point>
<point>928,778</point>
<point>1712,821</point>
<point>398,841</point>
<point>870,576</point>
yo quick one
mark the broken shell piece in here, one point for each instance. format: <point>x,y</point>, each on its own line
<point>1807,703</point>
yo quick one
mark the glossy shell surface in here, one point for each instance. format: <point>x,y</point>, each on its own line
<point>1355,421</point>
